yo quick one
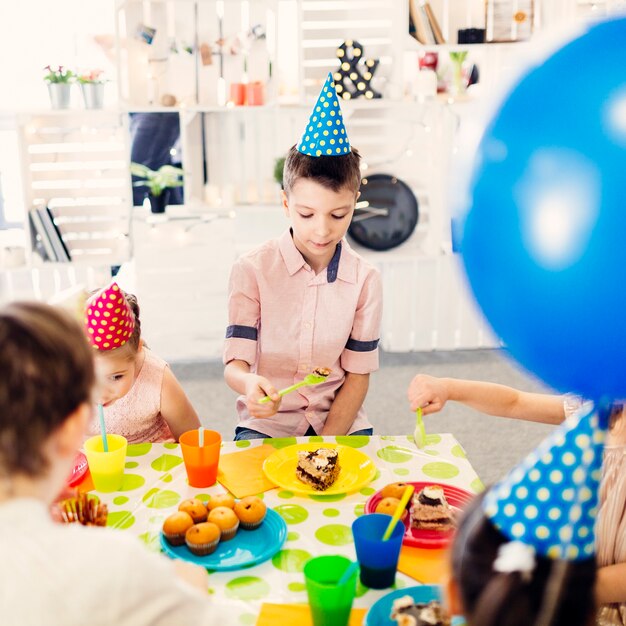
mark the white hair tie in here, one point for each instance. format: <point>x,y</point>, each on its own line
<point>515,556</point>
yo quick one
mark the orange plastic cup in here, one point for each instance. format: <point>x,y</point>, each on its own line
<point>255,93</point>
<point>201,463</point>
<point>238,93</point>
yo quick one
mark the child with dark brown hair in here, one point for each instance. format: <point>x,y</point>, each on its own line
<point>307,299</point>
<point>141,397</point>
<point>68,574</point>
<point>523,553</point>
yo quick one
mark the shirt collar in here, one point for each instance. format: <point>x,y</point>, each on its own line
<point>343,265</point>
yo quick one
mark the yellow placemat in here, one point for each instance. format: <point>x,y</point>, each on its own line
<point>290,614</point>
<point>425,565</point>
<point>242,472</point>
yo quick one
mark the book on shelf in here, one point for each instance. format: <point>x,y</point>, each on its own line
<point>46,236</point>
<point>421,28</point>
<point>432,22</point>
<point>39,237</point>
<point>60,248</point>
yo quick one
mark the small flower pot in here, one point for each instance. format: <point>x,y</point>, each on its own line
<point>93,95</point>
<point>157,203</point>
<point>59,95</point>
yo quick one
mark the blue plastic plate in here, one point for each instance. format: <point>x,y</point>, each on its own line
<point>248,547</point>
<point>379,613</point>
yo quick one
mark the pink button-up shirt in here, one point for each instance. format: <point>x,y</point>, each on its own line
<point>284,320</point>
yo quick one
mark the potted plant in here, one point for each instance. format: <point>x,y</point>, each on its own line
<point>279,166</point>
<point>92,87</point>
<point>59,80</point>
<point>166,177</point>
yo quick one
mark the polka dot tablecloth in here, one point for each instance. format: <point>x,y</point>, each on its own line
<point>155,482</point>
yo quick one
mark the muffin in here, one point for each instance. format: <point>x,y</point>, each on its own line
<point>388,506</point>
<point>251,512</point>
<point>393,490</point>
<point>227,521</point>
<point>195,508</point>
<point>175,527</point>
<point>221,499</point>
<point>202,539</point>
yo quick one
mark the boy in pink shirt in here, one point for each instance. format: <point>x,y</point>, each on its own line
<point>306,299</point>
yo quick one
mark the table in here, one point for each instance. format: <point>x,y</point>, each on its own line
<point>155,482</point>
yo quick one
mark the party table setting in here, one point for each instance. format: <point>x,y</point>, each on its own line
<point>262,571</point>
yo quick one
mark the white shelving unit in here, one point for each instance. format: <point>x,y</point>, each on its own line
<point>229,153</point>
<point>76,163</point>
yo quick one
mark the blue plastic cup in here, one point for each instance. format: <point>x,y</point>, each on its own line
<point>378,559</point>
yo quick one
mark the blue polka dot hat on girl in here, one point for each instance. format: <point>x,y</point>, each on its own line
<point>325,134</point>
<point>550,500</point>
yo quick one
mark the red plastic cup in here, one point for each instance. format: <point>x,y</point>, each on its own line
<point>201,462</point>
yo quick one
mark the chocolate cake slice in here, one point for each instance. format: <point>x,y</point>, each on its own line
<point>430,510</point>
<point>406,612</point>
<point>318,468</point>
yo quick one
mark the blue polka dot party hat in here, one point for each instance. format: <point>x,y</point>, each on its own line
<point>325,134</point>
<point>550,500</point>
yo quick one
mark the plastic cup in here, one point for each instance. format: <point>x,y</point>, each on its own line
<point>107,468</point>
<point>201,463</point>
<point>378,559</point>
<point>330,602</point>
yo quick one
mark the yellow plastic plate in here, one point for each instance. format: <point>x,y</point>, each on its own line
<point>357,469</point>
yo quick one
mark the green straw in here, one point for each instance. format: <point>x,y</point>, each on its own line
<point>103,430</point>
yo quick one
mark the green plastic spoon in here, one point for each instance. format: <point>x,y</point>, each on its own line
<point>420,432</point>
<point>309,379</point>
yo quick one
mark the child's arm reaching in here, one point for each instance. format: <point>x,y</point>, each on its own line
<point>239,378</point>
<point>346,404</point>
<point>176,409</point>
<point>432,393</point>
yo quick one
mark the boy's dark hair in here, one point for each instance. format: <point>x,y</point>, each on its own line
<point>333,172</point>
<point>46,373</point>
<point>561,592</point>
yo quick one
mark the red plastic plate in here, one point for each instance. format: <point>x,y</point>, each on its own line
<point>419,537</point>
<point>79,471</point>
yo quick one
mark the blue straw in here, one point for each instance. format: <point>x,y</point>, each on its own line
<point>348,573</point>
<point>103,430</point>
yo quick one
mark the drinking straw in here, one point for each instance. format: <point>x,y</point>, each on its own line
<point>200,437</point>
<point>103,430</point>
<point>348,573</point>
<point>408,492</point>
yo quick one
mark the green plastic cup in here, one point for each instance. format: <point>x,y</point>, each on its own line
<point>330,602</point>
<point>107,468</point>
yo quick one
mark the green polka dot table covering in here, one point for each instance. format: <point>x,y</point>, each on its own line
<point>155,483</point>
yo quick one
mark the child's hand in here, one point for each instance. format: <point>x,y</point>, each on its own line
<point>428,392</point>
<point>258,387</point>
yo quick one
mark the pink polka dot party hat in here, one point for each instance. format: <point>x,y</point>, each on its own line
<point>109,320</point>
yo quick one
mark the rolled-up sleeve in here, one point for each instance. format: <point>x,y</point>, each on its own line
<point>243,314</point>
<point>360,356</point>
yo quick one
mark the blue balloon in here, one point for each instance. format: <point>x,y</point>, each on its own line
<point>544,241</point>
